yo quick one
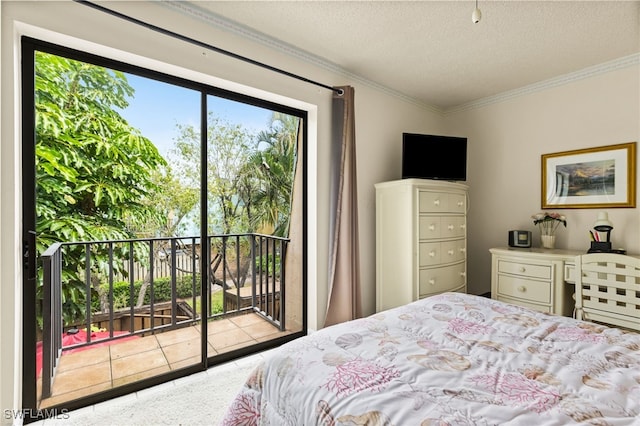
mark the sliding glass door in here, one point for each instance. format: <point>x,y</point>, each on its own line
<point>159,213</point>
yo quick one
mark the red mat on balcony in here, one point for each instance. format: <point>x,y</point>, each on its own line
<point>98,338</point>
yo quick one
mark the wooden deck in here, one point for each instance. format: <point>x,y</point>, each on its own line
<point>105,367</point>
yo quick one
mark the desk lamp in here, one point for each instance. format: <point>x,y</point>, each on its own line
<point>602,225</point>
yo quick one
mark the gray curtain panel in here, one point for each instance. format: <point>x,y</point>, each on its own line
<point>344,253</point>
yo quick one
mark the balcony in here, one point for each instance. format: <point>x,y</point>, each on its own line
<point>142,307</point>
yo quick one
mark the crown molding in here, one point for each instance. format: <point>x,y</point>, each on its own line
<point>215,20</point>
<point>606,67</point>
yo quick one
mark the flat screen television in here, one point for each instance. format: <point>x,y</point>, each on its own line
<point>434,157</point>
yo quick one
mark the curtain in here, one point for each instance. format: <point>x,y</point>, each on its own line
<point>344,253</point>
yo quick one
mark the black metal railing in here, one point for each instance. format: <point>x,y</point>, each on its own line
<point>247,269</point>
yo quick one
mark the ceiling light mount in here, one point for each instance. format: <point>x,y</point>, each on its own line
<point>476,16</point>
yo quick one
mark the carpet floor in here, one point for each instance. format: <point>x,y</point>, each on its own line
<point>199,399</point>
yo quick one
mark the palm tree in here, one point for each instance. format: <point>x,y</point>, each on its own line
<point>272,168</point>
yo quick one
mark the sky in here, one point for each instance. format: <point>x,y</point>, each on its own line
<point>158,107</point>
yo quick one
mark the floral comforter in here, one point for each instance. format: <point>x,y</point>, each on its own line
<point>451,359</point>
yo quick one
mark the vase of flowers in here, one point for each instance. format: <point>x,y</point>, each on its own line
<point>548,241</point>
<point>548,222</point>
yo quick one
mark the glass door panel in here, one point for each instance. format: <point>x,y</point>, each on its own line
<point>118,296</point>
<point>251,159</point>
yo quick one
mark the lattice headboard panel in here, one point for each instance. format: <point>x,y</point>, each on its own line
<point>608,289</point>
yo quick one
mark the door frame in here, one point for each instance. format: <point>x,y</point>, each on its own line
<point>29,375</point>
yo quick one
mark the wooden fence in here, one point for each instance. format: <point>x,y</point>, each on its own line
<point>161,267</point>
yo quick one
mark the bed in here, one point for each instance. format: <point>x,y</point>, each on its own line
<point>450,359</point>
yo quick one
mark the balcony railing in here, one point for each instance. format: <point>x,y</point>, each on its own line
<point>141,286</point>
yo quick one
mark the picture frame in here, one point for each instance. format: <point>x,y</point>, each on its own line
<point>590,178</point>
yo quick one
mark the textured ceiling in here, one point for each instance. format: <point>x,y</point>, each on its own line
<point>432,52</point>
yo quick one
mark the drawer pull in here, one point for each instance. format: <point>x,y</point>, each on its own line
<point>436,202</point>
<point>522,269</point>
<point>450,252</point>
<point>463,226</point>
<point>432,281</point>
<point>432,227</point>
<point>450,227</point>
<point>462,250</point>
<point>463,274</point>
<point>460,203</point>
<point>432,253</point>
<point>522,289</point>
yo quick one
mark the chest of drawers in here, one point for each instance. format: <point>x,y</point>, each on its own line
<point>421,240</point>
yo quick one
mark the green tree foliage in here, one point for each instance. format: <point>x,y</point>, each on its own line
<point>272,170</point>
<point>174,203</point>
<point>229,148</point>
<point>94,171</point>
<point>99,179</point>
<point>250,177</point>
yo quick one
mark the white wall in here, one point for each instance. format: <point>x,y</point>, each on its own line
<point>506,141</point>
<point>380,120</point>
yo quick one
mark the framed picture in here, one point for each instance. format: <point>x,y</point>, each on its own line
<point>590,178</point>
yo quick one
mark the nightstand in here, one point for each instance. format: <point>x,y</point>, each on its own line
<point>534,277</point>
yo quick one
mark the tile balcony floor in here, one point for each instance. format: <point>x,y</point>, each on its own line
<point>105,367</point>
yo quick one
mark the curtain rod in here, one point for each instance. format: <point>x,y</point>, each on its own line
<point>206,46</point>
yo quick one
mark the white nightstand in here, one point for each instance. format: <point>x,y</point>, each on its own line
<point>534,277</point>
